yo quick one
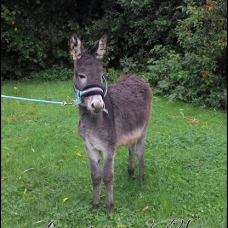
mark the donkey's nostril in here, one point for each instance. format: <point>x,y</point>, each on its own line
<point>97,106</point>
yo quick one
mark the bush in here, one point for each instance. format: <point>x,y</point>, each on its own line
<point>196,70</point>
<point>55,73</point>
<point>33,38</point>
<point>112,75</point>
<point>180,78</point>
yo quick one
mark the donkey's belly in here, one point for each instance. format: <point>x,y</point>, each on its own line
<point>129,138</point>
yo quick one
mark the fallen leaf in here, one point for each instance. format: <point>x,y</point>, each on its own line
<point>33,111</point>
<point>147,207</point>
<point>4,178</point>
<point>79,155</point>
<point>65,199</point>
<point>193,121</point>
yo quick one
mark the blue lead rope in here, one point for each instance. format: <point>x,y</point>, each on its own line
<point>35,100</point>
<point>77,101</point>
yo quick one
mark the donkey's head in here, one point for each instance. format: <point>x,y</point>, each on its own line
<point>88,72</point>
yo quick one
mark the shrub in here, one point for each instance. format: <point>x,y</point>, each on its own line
<point>55,73</point>
<point>179,77</point>
<point>33,37</point>
<point>112,75</point>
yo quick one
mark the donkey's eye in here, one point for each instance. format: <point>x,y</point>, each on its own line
<point>81,76</point>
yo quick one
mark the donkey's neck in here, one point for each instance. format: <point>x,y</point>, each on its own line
<point>87,116</point>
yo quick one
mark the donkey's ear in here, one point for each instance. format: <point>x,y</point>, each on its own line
<point>75,45</point>
<point>100,47</point>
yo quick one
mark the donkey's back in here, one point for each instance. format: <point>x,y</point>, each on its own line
<point>130,98</point>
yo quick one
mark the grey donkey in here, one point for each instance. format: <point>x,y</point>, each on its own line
<point>110,117</point>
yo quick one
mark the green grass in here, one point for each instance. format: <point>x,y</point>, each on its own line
<point>46,176</point>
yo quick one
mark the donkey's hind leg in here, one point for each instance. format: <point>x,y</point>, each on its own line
<point>131,167</point>
<point>140,152</point>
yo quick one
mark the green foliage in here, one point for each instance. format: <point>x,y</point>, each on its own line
<point>204,33</point>
<point>30,40</point>
<point>112,75</point>
<point>53,74</point>
<point>45,172</point>
<point>135,27</point>
<point>128,65</point>
<point>196,72</point>
<point>179,77</point>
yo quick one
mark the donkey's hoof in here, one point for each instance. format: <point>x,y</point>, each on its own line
<point>109,208</point>
<point>95,206</point>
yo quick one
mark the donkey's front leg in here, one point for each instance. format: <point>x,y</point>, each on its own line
<point>108,175</point>
<point>94,158</point>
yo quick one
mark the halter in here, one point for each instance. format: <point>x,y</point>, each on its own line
<point>90,90</point>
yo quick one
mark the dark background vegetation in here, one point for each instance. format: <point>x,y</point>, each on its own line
<point>179,47</point>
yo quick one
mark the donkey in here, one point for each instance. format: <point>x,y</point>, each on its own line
<point>109,116</point>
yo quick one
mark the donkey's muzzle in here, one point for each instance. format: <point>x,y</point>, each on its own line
<point>96,105</point>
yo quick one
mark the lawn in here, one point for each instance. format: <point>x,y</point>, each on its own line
<point>45,174</point>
